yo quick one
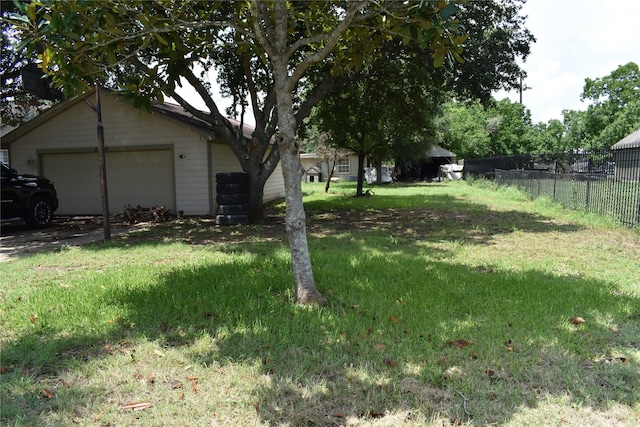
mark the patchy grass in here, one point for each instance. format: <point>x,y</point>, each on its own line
<point>448,303</point>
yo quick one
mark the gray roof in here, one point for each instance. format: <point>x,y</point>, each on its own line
<point>437,151</point>
<point>173,111</point>
<point>177,112</point>
<point>630,141</point>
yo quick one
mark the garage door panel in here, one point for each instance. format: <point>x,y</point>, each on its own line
<point>76,178</point>
<point>142,178</point>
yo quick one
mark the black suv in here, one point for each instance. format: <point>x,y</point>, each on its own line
<point>31,198</point>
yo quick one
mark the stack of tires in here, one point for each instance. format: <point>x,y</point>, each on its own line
<point>232,198</point>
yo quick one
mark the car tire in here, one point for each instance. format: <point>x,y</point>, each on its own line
<point>232,219</point>
<point>231,177</point>
<point>235,188</point>
<point>232,199</point>
<point>242,209</point>
<point>40,213</point>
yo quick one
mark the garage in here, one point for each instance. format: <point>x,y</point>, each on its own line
<point>165,156</point>
<point>142,177</point>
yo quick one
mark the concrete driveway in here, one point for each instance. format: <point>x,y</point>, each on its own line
<point>16,239</point>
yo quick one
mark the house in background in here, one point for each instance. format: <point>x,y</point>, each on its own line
<point>626,153</point>
<point>346,168</point>
<point>163,157</point>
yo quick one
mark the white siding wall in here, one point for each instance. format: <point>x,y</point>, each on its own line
<point>274,187</point>
<point>196,159</point>
<point>124,126</point>
<point>223,160</point>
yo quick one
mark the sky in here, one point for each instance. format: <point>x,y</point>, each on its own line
<point>576,39</point>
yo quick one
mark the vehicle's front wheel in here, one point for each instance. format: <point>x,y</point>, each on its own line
<point>40,213</point>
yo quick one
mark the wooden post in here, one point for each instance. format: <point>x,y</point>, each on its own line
<point>103,169</point>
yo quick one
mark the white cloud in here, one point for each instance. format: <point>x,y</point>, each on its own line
<point>576,39</point>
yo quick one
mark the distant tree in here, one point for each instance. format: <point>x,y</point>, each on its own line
<point>462,128</point>
<point>548,137</point>
<point>509,128</point>
<point>386,111</point>
<point>330,155</point>
<point>613,113</point>
<point>575,128</point>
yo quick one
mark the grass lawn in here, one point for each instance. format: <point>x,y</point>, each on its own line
<point>448,304</point>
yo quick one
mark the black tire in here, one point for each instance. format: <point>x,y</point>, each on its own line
<point>233,209</point>
<point>232,219</point>
<point>231,177</point>
<point>237,188</point>
<point>40,213</point>
<point>232,199</point>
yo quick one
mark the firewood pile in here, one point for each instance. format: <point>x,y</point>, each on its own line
<point>153,214</point>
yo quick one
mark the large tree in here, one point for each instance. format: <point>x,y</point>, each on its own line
<point>462,128</point>
<point>386,111</point>
<point>268,46</point>
<point>615,102</point>
<point>401,125</point>
<point>17,104</point>
<point>498,37</point>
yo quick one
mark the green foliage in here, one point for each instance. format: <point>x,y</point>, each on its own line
<point>613,113</point>
<point>471,130</point>
<point>16,103</point>
<point>462,129</point>
<point>442,297</point>
<point>510,135</point>
<point>497,36</point>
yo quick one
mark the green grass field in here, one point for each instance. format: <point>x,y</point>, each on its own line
<point>448,304</point>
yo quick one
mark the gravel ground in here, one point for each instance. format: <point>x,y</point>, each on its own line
<point>16,239</point>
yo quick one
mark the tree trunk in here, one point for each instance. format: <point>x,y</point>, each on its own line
<point>333,169</point>
<point>292,171</point>
<point>360,174</point>
<point>256,194</point>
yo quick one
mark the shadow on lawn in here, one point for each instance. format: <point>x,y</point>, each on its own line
<point>457,345</point>
<point>382,346</point>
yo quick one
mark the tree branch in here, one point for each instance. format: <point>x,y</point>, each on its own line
<point>331,41</point>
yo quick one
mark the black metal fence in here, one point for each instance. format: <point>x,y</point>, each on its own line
<point>604,183</point>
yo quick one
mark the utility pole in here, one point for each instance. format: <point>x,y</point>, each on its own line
<point>521,88</point>
<point>106,224</point>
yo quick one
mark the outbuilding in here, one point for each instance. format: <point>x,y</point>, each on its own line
<point>626,154</point>
<point>165,156</point>
<point>428,167</point>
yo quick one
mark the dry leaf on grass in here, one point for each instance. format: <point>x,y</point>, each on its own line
<point>458,343</point>
<point>576,320</point>
<point>509,345</point>
<point>390,362</point>
<point>137,406</point>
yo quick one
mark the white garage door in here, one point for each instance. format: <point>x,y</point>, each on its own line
<point>142,178</point>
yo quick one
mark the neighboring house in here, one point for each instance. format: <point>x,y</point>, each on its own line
<point>627,157</point>
<point>346,168</point>
<point>163,157</point>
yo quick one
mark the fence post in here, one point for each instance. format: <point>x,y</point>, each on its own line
<point>586,204</point>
